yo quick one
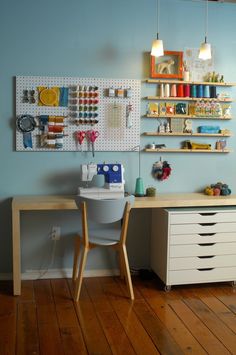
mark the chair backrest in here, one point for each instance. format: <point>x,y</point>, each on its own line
<point>104,211</point>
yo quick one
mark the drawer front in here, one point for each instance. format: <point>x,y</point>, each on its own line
<point>202,262</point>
<point>202,228</point>
<point>176,239</point>
<point>178,251</point>
<point>196,276</point>
<point>202,217</point>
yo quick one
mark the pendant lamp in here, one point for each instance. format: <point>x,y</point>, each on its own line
<point>205,48</point>
<point>157,44</point>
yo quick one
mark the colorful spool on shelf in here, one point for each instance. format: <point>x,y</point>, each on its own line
<point>167,90</point>
<point>187,90</point>
<point>199,91</point>
<point>173,92</point>
<point>180,90</point>
<point>206,91</point>
<point>213,94</point>
<point>193,91</point>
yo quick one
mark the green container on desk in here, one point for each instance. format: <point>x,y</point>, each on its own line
<point>139,189</point>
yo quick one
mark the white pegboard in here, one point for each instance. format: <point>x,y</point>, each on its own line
<point>113,133</point>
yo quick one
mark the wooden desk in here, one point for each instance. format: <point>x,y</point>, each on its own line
<point>39,203</point>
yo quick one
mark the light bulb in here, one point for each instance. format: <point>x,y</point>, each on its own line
<point>205,51</point>
<point>157,48</point>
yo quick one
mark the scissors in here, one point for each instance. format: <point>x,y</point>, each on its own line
<point>80,135</point>
<point>92,135</point>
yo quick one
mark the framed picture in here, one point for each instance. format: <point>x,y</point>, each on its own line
<point>169,66</point>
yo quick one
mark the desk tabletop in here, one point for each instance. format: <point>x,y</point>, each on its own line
<point>160,201</point>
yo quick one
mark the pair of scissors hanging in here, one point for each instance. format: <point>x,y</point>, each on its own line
<point>90,135</point>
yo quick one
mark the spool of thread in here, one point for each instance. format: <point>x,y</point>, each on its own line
<point>193,91</point>
<point>167,90</point>
<point>161,93</point>
<point>206,91</point>
<point>213,92</point>
<point>187,90</point>
<point>199,91</point>
<point>173,91</point>
<point>180,90</point>
<point>139,188</point>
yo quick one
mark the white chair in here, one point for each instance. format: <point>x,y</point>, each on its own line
<point>110,223</point>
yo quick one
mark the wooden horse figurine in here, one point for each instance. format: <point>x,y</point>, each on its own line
<point>165,66</point>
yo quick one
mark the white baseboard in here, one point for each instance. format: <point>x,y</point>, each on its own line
<point>59,274</point>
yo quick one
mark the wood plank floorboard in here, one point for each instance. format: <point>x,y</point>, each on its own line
<point>109,320</point>
<point>125,311</point>
<point>211,320</point>
<point>92,329</point>
<point>158,302</point>
<point>44,320</point>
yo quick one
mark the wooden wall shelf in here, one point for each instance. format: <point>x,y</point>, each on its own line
<point>187,99</point>
<point>176,116</point>
<point>189,116</point>
<point>165,150</point>
<point>157,81</point>
<point>153,134</point>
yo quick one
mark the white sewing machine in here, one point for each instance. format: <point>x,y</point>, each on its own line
<point>114,181</point>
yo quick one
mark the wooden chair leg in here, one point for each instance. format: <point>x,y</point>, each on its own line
<point>80,276</point>
<point>122,275</point>
<point>76,258</point>
<point>124,257</point>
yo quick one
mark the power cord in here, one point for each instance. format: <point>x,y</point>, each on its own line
<point>52,259</point>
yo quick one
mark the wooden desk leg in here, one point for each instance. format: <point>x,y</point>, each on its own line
<point>16,252</point>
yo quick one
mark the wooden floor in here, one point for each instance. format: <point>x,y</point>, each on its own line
<point>44,320</point>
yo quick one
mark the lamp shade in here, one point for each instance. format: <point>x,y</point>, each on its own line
<point>205,51</point>
<point>157,48</point>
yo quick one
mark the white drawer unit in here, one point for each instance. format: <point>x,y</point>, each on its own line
<point>194,245</point>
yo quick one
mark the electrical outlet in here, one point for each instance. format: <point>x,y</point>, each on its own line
<point>55,233</point>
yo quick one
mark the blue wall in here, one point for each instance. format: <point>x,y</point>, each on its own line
<point>106,38</point>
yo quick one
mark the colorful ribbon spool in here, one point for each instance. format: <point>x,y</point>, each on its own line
<point>55,129</point>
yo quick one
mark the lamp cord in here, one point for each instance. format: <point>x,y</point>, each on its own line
<point>158,12</point>
<point>206,21</point>
<point>139,158</point>
<point>139,165</point>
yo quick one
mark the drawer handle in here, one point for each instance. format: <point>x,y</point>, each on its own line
<point>207,224</point>
<point>206,244</point>
<point>206,256</point>
<point>206,234</point>
<point>207,214</point>
<point>206,269</point>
